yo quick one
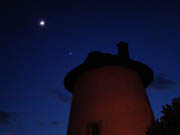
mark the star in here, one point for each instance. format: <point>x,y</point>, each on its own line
<point>42,23</point>
<point>70,53</point>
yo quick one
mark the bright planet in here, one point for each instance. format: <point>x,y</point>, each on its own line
<point>42,23</point>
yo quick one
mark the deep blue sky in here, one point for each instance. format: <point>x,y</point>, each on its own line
<point>35,59</point>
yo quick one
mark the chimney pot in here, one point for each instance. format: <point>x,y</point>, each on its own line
<point>123,49</point>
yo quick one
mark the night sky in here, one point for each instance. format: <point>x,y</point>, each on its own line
<point>35,57</point>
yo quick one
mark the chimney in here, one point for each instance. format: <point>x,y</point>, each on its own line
<point>123,50</point>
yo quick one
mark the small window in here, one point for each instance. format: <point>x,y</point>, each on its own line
<point>94,128</point>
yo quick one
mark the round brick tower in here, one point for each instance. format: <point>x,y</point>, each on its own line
<point>109,96</point>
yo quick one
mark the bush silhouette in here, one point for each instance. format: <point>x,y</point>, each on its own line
<point>169,123</point>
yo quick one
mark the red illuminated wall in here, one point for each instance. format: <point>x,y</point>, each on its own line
<point>113,95</point>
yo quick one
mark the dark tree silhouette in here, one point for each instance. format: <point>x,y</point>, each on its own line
<point>169,123</point>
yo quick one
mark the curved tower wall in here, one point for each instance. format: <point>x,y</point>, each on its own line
<point>115,97</point>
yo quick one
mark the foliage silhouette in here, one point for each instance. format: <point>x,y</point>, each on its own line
<point>169,123</point>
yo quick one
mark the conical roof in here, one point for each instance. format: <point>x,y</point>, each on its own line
<point>98,59</point>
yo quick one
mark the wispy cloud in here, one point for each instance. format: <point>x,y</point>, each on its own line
<point>161,82</point>
<point>8,118</point>
<point>5,118</point>
<point>52,123</point>
<point>42,124</point>
<point>8,133</point>
<point>19,124</point>
<point>55,123</point>
<point>61,96</point>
